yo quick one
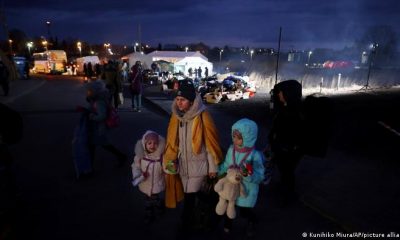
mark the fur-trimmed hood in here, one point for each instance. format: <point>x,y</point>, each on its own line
<point>140,147</point>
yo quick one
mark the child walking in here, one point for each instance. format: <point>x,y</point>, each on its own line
<point>243,155</point>
<point>148,173</point>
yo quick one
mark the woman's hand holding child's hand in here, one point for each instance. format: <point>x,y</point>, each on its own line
<point>212,175</point>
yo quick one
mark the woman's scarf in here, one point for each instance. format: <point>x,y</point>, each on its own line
<point>203,130</point>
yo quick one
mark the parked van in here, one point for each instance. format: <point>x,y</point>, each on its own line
<point>51,61</point>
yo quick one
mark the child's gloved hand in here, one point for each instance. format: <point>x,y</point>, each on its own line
<point>138,180</point>
<point>171,167</point>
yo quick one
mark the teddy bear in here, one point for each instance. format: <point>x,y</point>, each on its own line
<point>229,188</point>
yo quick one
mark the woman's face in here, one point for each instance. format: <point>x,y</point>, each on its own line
<point>183,104</point>
<point>281,97</point>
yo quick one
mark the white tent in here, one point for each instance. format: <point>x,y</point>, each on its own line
<point>182,60</point>
<point>174,56</point>
<point>82,60</point>
<point>137,56</point>
<point>194,63</point>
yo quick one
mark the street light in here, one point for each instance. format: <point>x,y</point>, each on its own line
<point>107,47</point>
<point>186,49</point>
<point>79,45</point>
<point>373,48</point>
<point>29,45</point>
<point>48,23</point>
<point>10,41</point>
<point>44,43</point>
<point>136,45</point>
<point>309,56</point>
<point>220,54</point>
<point>251,54</point>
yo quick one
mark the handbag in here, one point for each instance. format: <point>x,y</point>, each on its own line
<point>121,98</point>
<point>207,186</point>
<point>112,120</point>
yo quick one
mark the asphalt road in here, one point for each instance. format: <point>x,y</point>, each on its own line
<point>355,188</point>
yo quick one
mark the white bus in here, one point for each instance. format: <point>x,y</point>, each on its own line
<point>50,61</point>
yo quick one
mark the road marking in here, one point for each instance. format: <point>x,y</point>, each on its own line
<point>12,99</point>
<point>389,128</point>
<point>329,217</point>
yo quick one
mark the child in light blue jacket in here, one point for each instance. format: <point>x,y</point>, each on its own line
<point>243,155</point>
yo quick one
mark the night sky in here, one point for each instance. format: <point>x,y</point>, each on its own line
<point>253,23</point>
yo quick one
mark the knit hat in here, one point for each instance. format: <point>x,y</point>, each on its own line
<point>186,90</point>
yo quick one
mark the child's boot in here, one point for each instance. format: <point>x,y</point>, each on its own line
<point>250,230</point>
<point>227,225</point>
<point>149,215</point>
<point>160,206</point>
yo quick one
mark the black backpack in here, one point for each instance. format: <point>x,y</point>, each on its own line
<point>4,73</point>
<point>11,125</point>
<point>317,112</point>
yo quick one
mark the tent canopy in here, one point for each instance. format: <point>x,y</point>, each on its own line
<point>181,61</point>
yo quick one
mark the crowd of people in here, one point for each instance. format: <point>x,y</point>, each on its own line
<point>174,169</point>
<point>198,72</point>
<point>114,74</point>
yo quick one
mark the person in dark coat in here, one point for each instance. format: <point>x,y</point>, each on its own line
<point>286,135</point>
<point>97,69</point>
<point>206,71</point>
<point>112,82</point>
<point>190,71</point>
<point>11,132</point>
<point>199,72</point>
<point>4,78</point>
<point>97,97</point>
<point>26,69</point>
<point>136,86</point>
<point>89,70</point>
<point>85,70</point>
